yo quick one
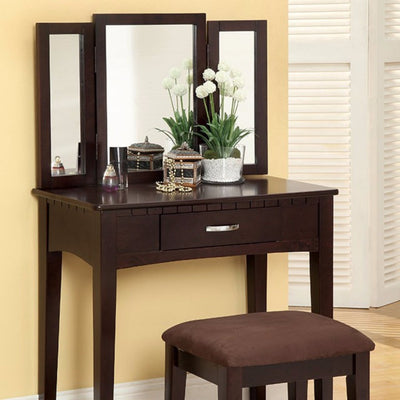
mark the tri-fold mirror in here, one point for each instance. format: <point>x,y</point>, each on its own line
<point>99,86</point>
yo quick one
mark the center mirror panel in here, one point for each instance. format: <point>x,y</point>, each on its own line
<point>136,100</point>
<point>135,52</point>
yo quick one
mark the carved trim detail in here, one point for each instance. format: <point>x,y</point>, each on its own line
<point>238,205</point>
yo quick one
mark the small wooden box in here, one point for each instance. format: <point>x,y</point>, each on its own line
<point>187,166</point>
<point>145,155</point>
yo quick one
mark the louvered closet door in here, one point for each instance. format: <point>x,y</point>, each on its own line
<point>328,100</point>
<point>387,86</point>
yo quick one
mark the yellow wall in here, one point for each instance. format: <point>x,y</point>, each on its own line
<point>151,298</point>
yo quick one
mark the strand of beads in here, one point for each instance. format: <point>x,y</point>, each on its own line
<point>172,185</point>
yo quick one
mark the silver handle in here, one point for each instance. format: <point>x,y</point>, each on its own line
<point>222,228</point>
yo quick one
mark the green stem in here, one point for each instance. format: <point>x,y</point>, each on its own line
<point>233,103</point>
<point>236,107</point>
<point>205,106</point>
<point>222,102</point>
<point>188,91</point>
<point>172,103</point>
<point>189,95</point>
<point>212,104</point>
<point>176,97</point>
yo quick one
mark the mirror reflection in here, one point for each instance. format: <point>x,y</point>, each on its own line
<point>138,59</point>
<point>236,48</point>
<point>65,103</point>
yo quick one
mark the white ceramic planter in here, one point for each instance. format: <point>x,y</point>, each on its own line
<point>223,170</point>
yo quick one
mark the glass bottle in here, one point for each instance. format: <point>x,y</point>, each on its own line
<point>110,179</point>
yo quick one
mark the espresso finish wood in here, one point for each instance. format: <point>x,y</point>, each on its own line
<point>49,307</point>
<point>257,300</point>
<point>93,82</point>
<point>277,215</point>
<point>87,100</point>
<point>174,375</point>
<point>260,82</point>
<point>298,390</point>
<point>231,380</point>
<point>256,278</point>
<point>138,233</point>
<point>199,61</point>
<point>176,233</point>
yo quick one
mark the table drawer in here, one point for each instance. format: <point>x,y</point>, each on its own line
<point>218,228</point>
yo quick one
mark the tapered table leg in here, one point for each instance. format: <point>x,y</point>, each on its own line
<point>321,262</point>
<point>104,306</point>
<point>49,309</point>
<point>321,279</point>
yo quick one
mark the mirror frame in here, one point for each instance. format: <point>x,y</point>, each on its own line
<point>199,60</point>
<point>259,27</point>
<point>88,117</point>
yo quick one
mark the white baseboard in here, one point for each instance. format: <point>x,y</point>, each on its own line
<point>153,389</point>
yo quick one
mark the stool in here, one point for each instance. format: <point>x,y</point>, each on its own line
<point>257,349</point>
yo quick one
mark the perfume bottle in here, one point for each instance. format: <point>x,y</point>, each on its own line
<point>119,159</point>
<point>110,179</point>
<point>57,168</point>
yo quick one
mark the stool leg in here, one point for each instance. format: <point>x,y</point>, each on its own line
<point>229,383</point>
<point>175,378</point>
<point>323,389</point>
<point>257,393</point>
<point>358,384</point>
<point>257,299</point>
<point>297,390</point>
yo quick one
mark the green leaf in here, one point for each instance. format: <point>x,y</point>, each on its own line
<point>180,127</point>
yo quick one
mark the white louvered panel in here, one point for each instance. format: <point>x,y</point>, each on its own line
<point>319,19</point>
<point>391,171</point>
<point>320,151</point>
<point>392,19</point>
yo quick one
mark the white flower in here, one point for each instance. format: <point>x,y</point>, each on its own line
<point>188,63</point>
<point>179,90</point>
<point>174,73</point>
<point>238,82</point>
<point>210,87</point>
<point>208,74</point>
<point>189,78</point>
<point>226,89</point>
<point>201,92</point>
<point>222,77</point>
<point>168,83</point>
<point>239,95</point>
<point>235,72</point>
<point>223,66</point>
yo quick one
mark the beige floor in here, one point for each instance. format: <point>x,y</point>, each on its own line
<point>382,325</point>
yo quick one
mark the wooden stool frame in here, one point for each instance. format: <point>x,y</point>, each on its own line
<point>231,380</point>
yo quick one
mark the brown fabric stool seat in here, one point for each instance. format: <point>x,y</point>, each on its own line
<point>253,350</point>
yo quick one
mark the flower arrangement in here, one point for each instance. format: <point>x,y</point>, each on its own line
<point>182,123</point>
<point>221,133</point>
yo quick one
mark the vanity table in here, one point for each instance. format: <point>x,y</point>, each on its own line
<point>141,226</point>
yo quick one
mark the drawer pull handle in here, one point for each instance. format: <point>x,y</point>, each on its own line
<point>222,228</point>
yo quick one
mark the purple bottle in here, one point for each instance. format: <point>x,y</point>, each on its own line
<point>110,179</point>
